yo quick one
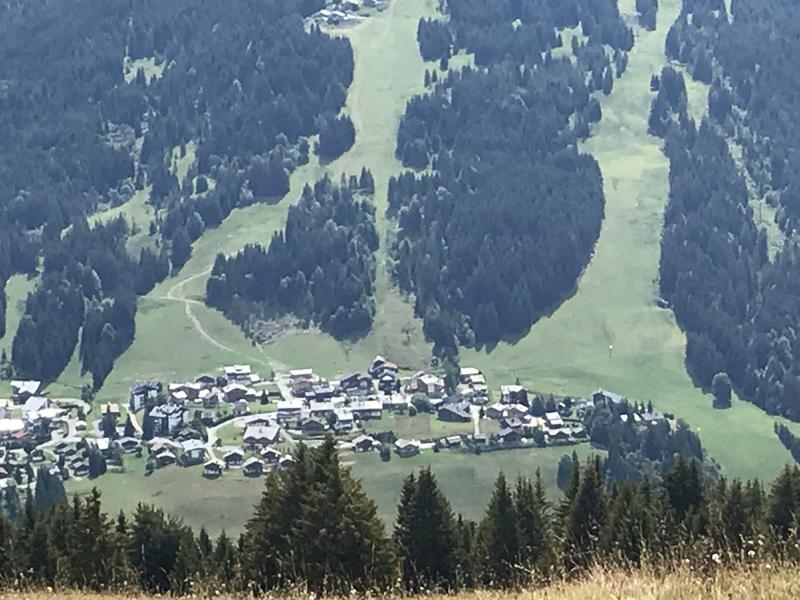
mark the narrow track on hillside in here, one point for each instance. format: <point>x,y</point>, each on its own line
<point>173,294</point>
<point>176,294</point>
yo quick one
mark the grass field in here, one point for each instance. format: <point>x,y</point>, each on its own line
<point>230,434</point>
<point>466,479</point>
<point>227,502</point>
<point>17,289</point>
<point>615,302</point>
<point>219,504</point>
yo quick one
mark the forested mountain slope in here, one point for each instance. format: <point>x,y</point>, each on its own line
<point>737,304</point>
<point>497,233</point>
<point>78,134</point>
<point>321,268</point>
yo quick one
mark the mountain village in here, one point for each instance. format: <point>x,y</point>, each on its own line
<point>235,420</point>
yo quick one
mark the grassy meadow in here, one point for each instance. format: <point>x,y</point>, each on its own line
<point>221,504</point>
<point>17,289</point>
<point>226,503</point>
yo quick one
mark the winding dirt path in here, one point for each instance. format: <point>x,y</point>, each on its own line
<point>175,294</point>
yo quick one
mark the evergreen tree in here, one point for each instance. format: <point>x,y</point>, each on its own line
<point>425,535</point>
<point>187,566</point>
<point>49,489</point>
<point>784,502</point>
<point>533,526</point>
<point>6,539</point>
<point>684,488</point>
<point>732,520</point>
<point>350,550</point>
<point>153,544</point>
<point>571,487</point>
<point>499,537</point>
<point>38,560</point>
<point>10,505</point>
<point>624,537</point>
<point>23,535</point>
<point>225,559</point>
<point>205,549</point>
<point>315,525</point>
<point>721,388</point>
<point>585,519</point>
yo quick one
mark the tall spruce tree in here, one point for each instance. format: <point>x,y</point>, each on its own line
<point>571,487</point>
<point>533,525</point>
<point>153,544</point>
<point>499,537</point>
<point>585,519</point>
<point>624,537</point>
<point>426,535</point>
<point>49,489</point>
<point>467,533</point>
<point>784,502</point>
<point>225,559</point>
<point>315,525</point>
<point>684,486</point>
<point>6,539</point>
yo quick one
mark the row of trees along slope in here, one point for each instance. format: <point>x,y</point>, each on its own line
<point>498,229</point>
<point>321,268</point>
<point>737,304</point>
<point>315,528</point>
<point>246,83</point>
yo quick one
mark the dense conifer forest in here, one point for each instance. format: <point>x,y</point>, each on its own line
<point>498,231</point>
<point>89,285</point>
<point>737,304</point>
<point>245,87</point>
<point>648,13</point>
<point>321,268</point>
<point>635,452</point>
<point>314,527</point>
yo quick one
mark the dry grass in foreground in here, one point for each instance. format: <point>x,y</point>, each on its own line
<point>761,583</point>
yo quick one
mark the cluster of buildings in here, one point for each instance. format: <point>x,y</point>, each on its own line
<point>28,412</point>
<point>258,452</point>
<point>37,432</point>
<point>178,423</point>
<point>338,13</point>
<point>215,397</point>
<point>313,405</point>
